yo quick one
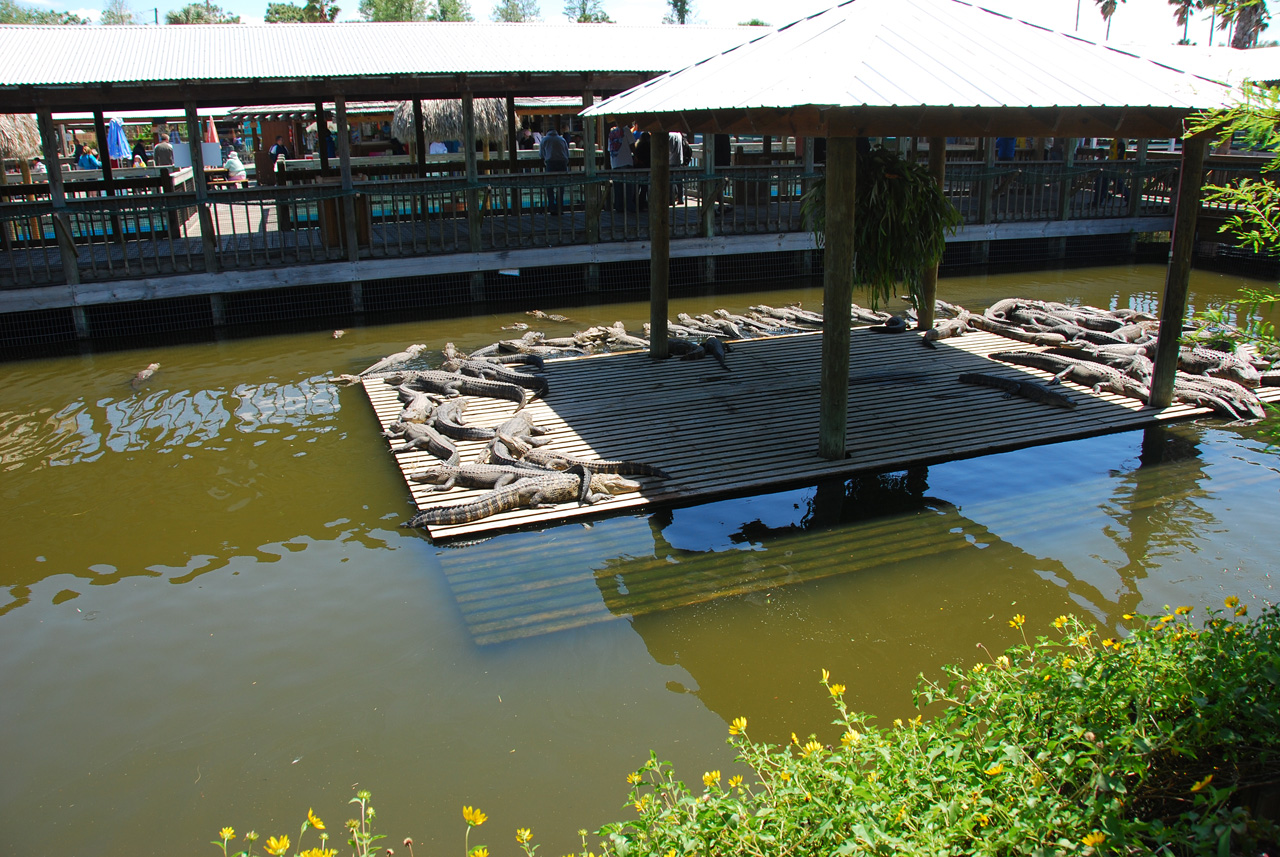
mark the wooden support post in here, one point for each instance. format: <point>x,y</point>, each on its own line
<point>419,139</point>
<point>591,191</point>
<point>472,193</point>
<point>109,185</point>
<point>1174,305</point>
<point>1136,180</point>
<point>659,247</point>
<point>708,197</point>
<point>987,186</point>
<point>837,295</point>
<point>208,231</point>
<point>766,146</point>
<point>322,137</point>
<point>929,282</point>
<point>61,219</point>
<point>349,201</point>
<point>514,199</point>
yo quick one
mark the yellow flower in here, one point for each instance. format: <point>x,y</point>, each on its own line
<point>1202,783</point>
<point>1068,663</point>
<point>1110,643</point>
<point>710,778</point>
<point>1083,640</point>
<point>1127,616</point>
<point>251,836</point>
<point>826,676</point>
<point>1182,611</point>
<point>735,781</point>
<point>277,846</point>
<point>523,835</point>
<point>786,776</point>
<point>873,776</point>
<point>1242,610</point>
<point>853,736</point>
<point>1231,602</point>
<point>1092,839</point>
<point>1003,662</point>
<point>995,769</point>
<point>479,851</point>
<point>984,819</point>
<point>226,834</point>
<point>633,778</point>
<point>318,852</point>
<point>897,721</point>
<point>794,739</point>
<point>979,668</point>
<point>836,689</point>
<point>1060,622</point>
<point>1017,621</point>
<point>738,726</point>
<point>313,821</point>
<point>811,748</point>
<point>473,817</point>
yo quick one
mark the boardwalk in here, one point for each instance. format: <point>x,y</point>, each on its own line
<point>755,428</point>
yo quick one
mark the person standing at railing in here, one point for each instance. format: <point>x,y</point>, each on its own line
<point>163,153</point>
<point>679,154</point>
<point>87,161</point>
<point>621,158</point>
<point>642,156</point>
<point>555,159</point>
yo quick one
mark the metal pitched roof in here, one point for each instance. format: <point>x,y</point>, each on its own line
<point>916,54</point>
<point>69,56</point>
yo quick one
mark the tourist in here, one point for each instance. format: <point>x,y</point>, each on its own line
<point>621,158</point>
<point>281,150</point>
<point>679,154</point>
<point>642,156</point>
<point>525,140</point>
<point>163,154</point>
<point>235,169</point>
<point>87,161</point>
<point>555,158</point>
<point>37,166</point>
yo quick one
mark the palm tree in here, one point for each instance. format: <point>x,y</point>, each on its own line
<point>1108,8</point>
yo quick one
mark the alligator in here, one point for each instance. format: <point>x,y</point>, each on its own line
<point>741,321</point>
<point>144,375</point>
<point>1225,396</point>
<point>417,405</point>
<point>713,346</point>
<point>1009,331</point>
<point>702,328</point>
<point>946,329</point>
<point>792,317</point>
<point>1026,389</point>
<point>450,384</point>
<point>1094,375</point>
<point>447,420</point>
<point>1219,364</point>
<point>493,476</point>
<point>723,325</point>
<point>1134,364</point>
<point>497,372</point>
<point>421,436</point>
<point>394,359</point>
<point>513,450</point>
<point>521,426</point>
<point>537,313</point>
<point>618,333</point>
<point>546,490</point>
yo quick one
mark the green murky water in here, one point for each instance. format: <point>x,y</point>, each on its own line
<point>209,615</point>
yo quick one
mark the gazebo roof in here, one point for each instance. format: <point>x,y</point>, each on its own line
<point>927,67</point>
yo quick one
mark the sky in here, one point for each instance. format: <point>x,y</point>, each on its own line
<point>1135,21</point>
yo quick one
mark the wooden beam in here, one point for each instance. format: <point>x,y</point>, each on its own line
<point>593,201</point>
<point>348,183</point>
<point>208,233</point>
<point>929,282</point>
<point>472,172</point>
<point>1174,305</point>
<point>322,136</point>
<point>513,140</point>
<point>419,138</point>
<point>659,243</point>
<point>837,295</point>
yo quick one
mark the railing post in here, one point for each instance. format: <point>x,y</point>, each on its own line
<point>472,193</point>
<point>61,222</point>
<point>987,185</point>
<point>208,234</point>
<point>1137,180</point>
<point>659,245</point>
<point>591,192</point>
<point>1064,193</point>
<point>707,204</point>
<point>349,201</point>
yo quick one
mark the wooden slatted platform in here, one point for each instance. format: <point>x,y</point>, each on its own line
<point>755,428</point>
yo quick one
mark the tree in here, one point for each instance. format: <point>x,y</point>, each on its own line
<point>516,11</point>
<point>754,22</point>
<point>1108,8</point>
<point>117,12</point>
<point>13,13</point>
<point>586,12</point>
<point>450,10</point>
<point>1248,16</point>
<point>393,10</point>
<point>678,12</point>
<point>314,12</point>
<point>201,13</point>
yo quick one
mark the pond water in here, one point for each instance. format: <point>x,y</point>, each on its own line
<point>209,615</point>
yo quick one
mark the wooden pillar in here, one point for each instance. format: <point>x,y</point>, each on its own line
<point>472,193</point>
<point>350,203</point>
<point>208,234</point>
<point>419,139</point>
<point>61,219</point>
<point>986,187</point>
<point>929,282</point>
<point>513,150</point>
<point>1174,305</point>
<point>322,136</point>
<point>837,295</point>
<point>109,185</point>
<point>1136,180</point>
<point>766,146</point>
<point>591,190</point>
<point>659,244</point>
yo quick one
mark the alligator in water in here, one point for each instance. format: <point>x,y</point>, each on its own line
<point>473,475</point>
<point>143,376</point>
<point>545,490</point>
<point>1029,390</point>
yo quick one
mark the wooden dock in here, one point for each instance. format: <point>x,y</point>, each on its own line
<point>755,428</point>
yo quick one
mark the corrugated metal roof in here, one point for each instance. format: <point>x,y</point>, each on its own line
<point>913,53</point>
<point>61,56</point>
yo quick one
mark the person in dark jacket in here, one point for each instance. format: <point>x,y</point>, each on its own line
<point>642,155</point>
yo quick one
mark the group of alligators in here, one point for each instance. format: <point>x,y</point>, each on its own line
<point>1106,350</point>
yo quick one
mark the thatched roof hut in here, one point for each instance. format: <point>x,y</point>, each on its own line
<point>442,119</point>
<point>19,135</point>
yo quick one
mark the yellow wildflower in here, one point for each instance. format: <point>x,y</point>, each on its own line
<point>785,776</point>
<point>897,721</point>
<point>1231,602</point>
<point>902,813</point>
<point>1242,610</point>
<point>1083,640</point>
<point>836,689</point>
<point>1068,663</point>
<point>853,736</point>
<point>710,778</point>
<point>251,836</point>
<point>1092,839</point>
<point>479,851</point>
<point>735,781</point>
<point>979,668</point>
<point>318,852</point>
<point>633,777</point>
<point>1127,616</point>
<point>984,819</point>
<point>811,748</point>
<point>873,776</point>
<point>1017,621</point>
<point>226,834</point>
<point>917,720</point>
<point>995,769</point>
<point>1182,611</point>
<point>277,846</point>
<point>473,817</point>
<point>1202,783</point>
<point>313,821</point>
<point>1060,622</point>
<point>794,739</point>
<point>523,835</point>
<point>1003,662</point>
<point>1164,619</point>
<point>738,726</point>
<point>826,676</point>
<point>1110,643</point>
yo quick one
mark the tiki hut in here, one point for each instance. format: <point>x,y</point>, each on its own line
<point>19,135</point>
<point>442,120</point>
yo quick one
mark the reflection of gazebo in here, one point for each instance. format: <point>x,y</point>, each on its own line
<point>934,68</point>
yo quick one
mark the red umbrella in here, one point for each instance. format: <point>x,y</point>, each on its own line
<point>211,133</point>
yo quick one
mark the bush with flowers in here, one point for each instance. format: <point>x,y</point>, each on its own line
<point>1165,740</point>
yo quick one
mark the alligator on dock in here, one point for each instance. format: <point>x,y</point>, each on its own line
<point>1029,390</point>
<point>545,490</point>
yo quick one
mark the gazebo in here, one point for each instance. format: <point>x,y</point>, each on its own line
<point>931,68</point>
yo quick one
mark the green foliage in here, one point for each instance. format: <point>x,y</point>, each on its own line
<point>1156,742</point>
<point>201,13</point>
<point>901,221</point>
<point>516,11</point>
<point>678,12</point>
<point>117,13</point>
<point>754,22</point>
<point>313,12</point>
<point>1107,8</point>
<point>586,12</point>
<point>450,10</point>
<point>393,10</point>
<point>15,13</point>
